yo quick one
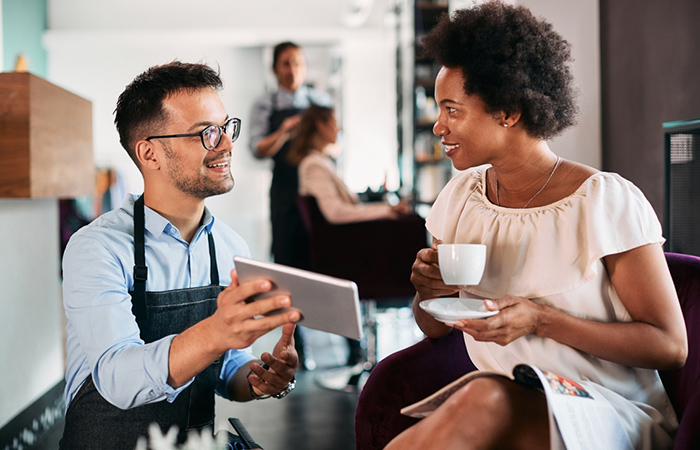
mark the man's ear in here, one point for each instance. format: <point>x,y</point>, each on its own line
<point>146,155</point>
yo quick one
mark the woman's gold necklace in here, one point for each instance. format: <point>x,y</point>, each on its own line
<point>498,201</point>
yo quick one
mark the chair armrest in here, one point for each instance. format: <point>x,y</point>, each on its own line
<point>688,435</point>
<point>403,378</point>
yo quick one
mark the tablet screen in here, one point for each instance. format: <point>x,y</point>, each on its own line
<point>327,303</point>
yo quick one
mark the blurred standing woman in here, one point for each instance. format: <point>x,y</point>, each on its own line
<point>273,121</point>
<point>575,265</point>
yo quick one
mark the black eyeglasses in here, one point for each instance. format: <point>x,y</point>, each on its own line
<point>211,135</point>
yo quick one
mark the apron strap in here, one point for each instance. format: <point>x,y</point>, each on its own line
<point>214,277</point>
<point>138,302</point>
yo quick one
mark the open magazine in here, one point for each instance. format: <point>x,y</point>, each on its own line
<point>584,418</point>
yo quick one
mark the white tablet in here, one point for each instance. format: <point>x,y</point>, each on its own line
<point>326,303</point>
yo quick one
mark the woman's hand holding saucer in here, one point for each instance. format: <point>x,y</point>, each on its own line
<point>518,317</point>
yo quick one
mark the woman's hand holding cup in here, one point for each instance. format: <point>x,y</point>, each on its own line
<point>426,276</point>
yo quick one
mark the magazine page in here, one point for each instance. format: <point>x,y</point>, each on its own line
<point>585,419</point>
<point>425,407</point>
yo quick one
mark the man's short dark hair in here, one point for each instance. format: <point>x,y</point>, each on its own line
<point>513,61</point>
<point>139,111</point>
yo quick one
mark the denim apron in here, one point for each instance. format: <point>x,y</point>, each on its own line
<point>92,422</point>
<point>290,242</point>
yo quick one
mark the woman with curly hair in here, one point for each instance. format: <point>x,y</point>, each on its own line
<point>575,266</point>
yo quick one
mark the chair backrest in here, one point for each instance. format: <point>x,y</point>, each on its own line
<point>310,213</point>
<point>375,254</point>
<point>683,383</point>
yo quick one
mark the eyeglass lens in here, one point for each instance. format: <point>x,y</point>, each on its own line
<point>211,136</point>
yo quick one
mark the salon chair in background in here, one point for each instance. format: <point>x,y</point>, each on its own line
<point>377,255</point>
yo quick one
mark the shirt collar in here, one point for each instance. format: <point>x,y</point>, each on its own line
<point>157,224</point>
<point>301,92</point>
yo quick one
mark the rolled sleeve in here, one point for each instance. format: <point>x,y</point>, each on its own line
<point>134,376</point>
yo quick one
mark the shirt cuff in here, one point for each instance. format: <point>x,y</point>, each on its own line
<point>161,360</point>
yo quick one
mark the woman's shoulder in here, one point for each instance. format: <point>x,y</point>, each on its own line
<point>607,186</point>
<point>579,181</point>
<point>463,184</point>
<point>467,179</point>
<point>315,159</point>
<point>461,187</point>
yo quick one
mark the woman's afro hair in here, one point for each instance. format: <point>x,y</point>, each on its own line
<point>513,61</point>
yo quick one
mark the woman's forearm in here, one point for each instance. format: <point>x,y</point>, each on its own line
<point>635,344</point>
<point>427,323</point>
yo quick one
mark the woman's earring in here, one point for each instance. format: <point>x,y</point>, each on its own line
<point>505,125</point>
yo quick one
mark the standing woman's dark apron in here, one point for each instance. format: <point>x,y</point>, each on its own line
<point>290,242</point>
<point>92,422</point>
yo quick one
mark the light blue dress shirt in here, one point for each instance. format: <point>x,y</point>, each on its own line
<point>282,99</point>
<point>102,335</point>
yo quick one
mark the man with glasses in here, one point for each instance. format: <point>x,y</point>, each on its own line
<point>157,321</point>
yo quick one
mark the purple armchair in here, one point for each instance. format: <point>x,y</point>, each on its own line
<point>417,371</point>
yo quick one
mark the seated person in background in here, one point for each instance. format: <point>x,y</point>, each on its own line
<point>316,133</point>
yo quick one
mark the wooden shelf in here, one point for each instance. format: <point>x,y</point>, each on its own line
<point>45,139</point>
<point>426,160</point>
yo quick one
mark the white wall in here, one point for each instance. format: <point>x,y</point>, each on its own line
<point>578,22</point>
<point>31,354</point>
<point>369,105</point>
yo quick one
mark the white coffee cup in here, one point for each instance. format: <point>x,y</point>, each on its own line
<point>461,264</point>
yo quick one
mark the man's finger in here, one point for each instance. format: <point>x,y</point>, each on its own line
<point>265,306</point>
<point>234,277</point>
<point>287,338</point>
<point>269,323</point>
<point>238,293</point>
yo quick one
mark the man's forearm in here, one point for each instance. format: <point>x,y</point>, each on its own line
<point>191,352</point>
<point>270,144</point>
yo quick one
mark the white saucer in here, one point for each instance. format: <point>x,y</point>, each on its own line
<point>451,309</point>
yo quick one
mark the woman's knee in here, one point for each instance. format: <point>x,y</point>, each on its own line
<point>483,396</point>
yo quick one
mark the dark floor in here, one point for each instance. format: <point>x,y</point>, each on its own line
<point>311,417</point>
